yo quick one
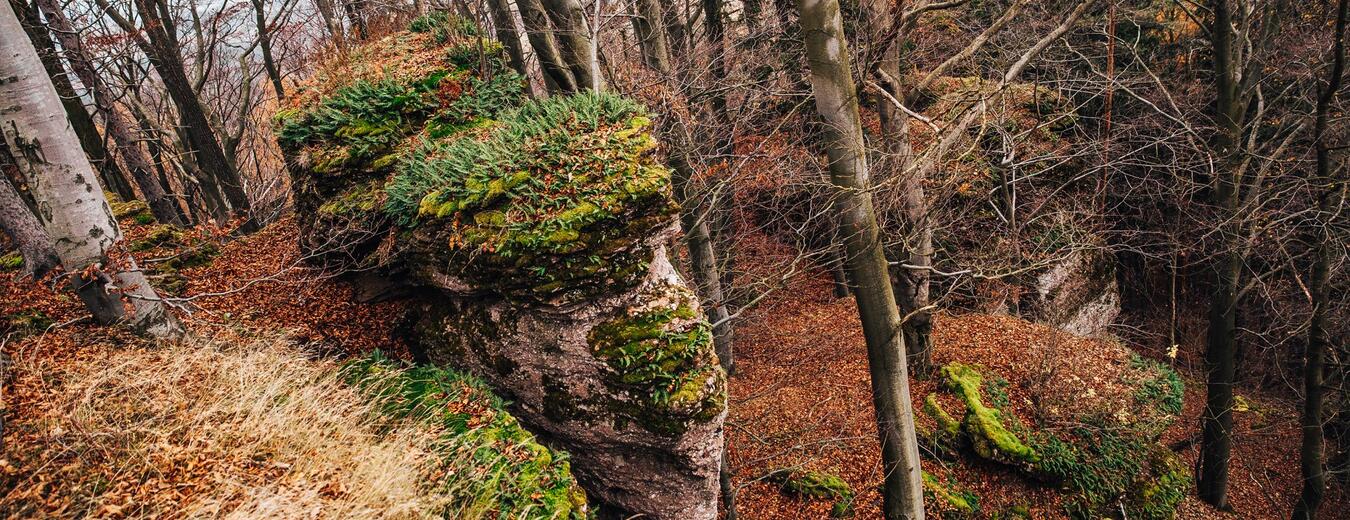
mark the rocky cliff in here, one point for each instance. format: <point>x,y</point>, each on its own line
<point>533,234</point>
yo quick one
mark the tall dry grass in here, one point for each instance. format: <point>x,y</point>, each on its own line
<point>217,429</point>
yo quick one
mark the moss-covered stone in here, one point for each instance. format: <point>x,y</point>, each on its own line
<point>815,485</point>
<point>129,209</point>
<point>952,501</point>
<point>663,356</point>
<point>162,236</point>
<point>984,426</point>
<point>943,438</point>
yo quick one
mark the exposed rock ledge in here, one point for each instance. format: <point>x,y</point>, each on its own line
<point>533,234</point>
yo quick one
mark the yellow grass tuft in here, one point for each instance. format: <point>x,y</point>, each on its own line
<point>247,429</point>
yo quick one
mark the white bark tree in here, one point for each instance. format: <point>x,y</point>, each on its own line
<point>70,201</point>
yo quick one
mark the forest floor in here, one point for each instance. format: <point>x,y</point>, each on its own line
<point>801,398</point>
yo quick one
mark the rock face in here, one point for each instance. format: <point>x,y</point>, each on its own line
<point>1078,295</point>
<point>533,233</point>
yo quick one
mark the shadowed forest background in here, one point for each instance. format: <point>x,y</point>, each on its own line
<point>673,260</point>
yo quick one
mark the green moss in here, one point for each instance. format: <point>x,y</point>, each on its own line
<point>162,236</point>
<point>27,322</point>
<point>360,199</point>
<point>12,261</point>
<point>663,356</point>
<point>130,209</point>
<point>984,425</point>
<point>952,500</point>
<point>944,438</point>
<point>489,465</point>
<point>815,485</point>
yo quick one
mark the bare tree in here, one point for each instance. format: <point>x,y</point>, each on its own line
<point>1237,81</point>
<point>569,22</point>
<point>837,102</point>
<point>1332,188</point>
<point>137,162</point>
<point>72,204</point>
<point>157,37</point>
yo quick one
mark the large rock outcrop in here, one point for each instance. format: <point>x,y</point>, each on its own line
<point>533,233</point>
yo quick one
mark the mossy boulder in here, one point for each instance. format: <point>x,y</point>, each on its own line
<point>984,426</point>
<point>534,232</point>
<point>1104,466</point>
<point>815,485</point>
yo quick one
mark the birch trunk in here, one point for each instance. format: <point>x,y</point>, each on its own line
<point>837,102</point>
<point>70,201</point>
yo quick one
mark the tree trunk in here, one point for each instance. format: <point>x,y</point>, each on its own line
<point>719,215</point>
<point>72,204</point>
<point>540,34</point>
<point>1320,234</point>
<point>1220,342</point>
<point>569,18</point>
<point>506,33</point>
<point>23,228</point>
<point>265,44</point>
<point>90,140</point>
<point>117,126</point>
<point>837,101</point>
<point>911,283</point>
<point>328,12</point>
<point>649,24</point>
<point>356,14</point>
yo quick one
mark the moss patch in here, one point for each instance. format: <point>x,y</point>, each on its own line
<point>12,261</point>
<point>815,485</point>
<point>489,463</point>
<point>984,425</point>
<point>162,236</point>
<point>663,356</point>
<point>953,501</point>
<point>26,322</point>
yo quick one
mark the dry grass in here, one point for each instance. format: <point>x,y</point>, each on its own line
<point>245,429</point>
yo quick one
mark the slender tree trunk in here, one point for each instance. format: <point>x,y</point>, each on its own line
<point>328,12</point>
<point>265,44</point>
<point>837,101</point>
<point>569,18</point>
<point>540,33</point>
<point>1310,453</point>
<point>24,229</point>
<point>116,125</point>
<point>1220,341</point>
<point>505,23</point>
<point>911,283</point>
<point>62,181</point>
<point>356,14</point>
<point>720,215</point>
